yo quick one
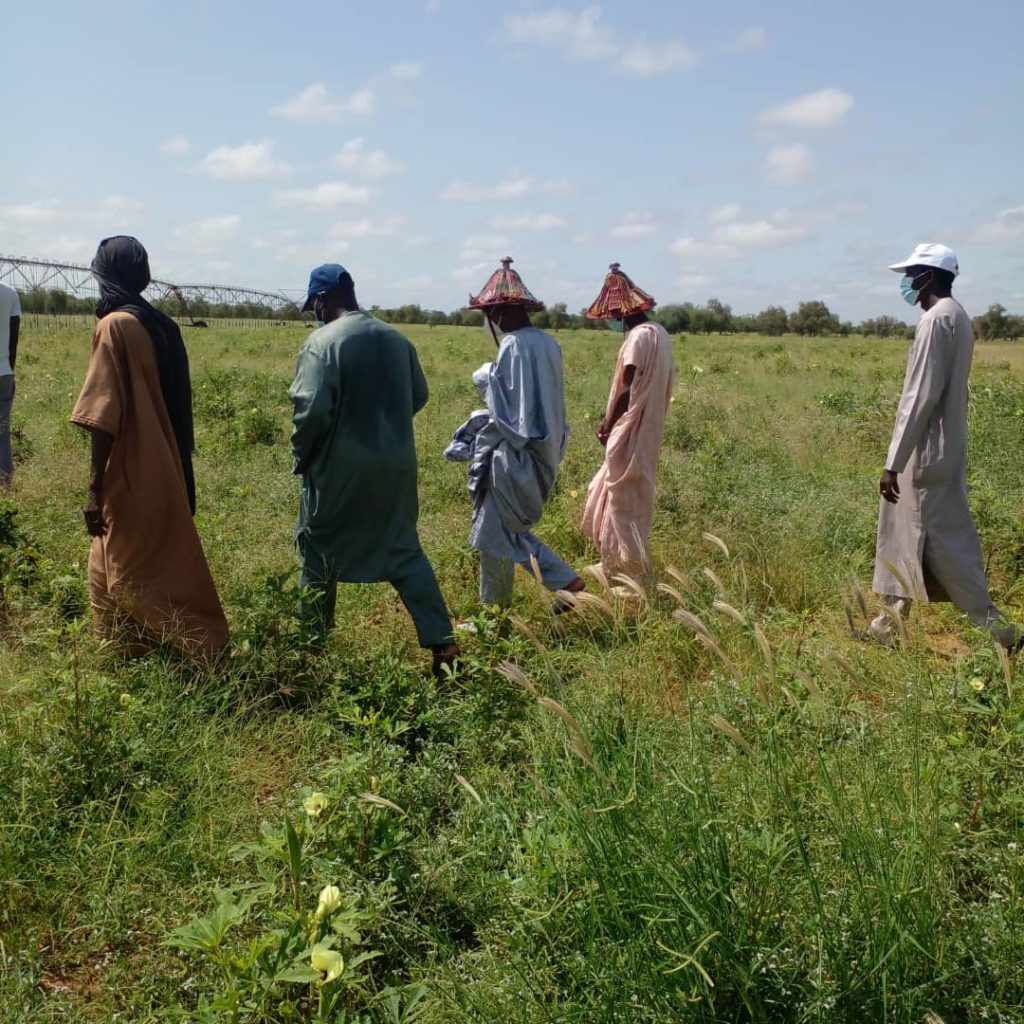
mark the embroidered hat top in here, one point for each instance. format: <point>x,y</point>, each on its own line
<point>619,297</point>
<point>505,288</point>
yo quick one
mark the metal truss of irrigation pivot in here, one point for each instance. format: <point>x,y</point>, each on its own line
<point>76,280</point>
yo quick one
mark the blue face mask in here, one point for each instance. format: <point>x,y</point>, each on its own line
<point>614,325</point>
<point>911,294</point>
<point>908,291</point>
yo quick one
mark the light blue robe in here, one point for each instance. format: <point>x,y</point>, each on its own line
<point>519,450</point>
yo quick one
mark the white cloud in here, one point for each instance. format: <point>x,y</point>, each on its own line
<point>750,40</point>
<point>530,222</point>
<point>786,226</point>
<point>50,211</point>
<point>366,228</point>
<point>325,196</point>
<point>480,247</point>
<point>724,214</point>
<point>208,233</point>
<point>578,34</point>
<point>822,109</point>
<point>250,160</point>
<point>1006,226</point>
<point>73,248</point>
<point>219,266</point>
<point>643,59</point>
<point>405,69</point>
<point>634,226</point>
<point>367,163</point>
<point>789,164</point>
<point>176,145</point>
<point>315,103</point>
<point>695,280</point>
<point>473,271</point>
<point>582,35</point>
<point>119,206</point>
<point>35,212</point>
<point>514,186</point>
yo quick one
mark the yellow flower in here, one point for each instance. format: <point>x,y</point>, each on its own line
<point>126,699</point>
<point>330,900</point>
<point>327,961</point>
<point>574,494</point>
<point>977,684</point>
<point>697,369</point>
<point>315,804</point>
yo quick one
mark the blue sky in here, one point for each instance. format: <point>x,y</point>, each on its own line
<point>759,153</point>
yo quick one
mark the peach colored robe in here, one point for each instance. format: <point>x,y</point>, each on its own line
<point>150,564</point>
<point>620,500</point>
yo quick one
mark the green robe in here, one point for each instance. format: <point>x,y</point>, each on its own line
<point>357,386</point>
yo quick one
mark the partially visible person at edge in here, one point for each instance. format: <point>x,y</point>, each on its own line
<point>358,385</point>
<point>519,449</point>
<point>148,577</point>
<point>928,547</point>
<point>10,322</point>
<point>620,499</point>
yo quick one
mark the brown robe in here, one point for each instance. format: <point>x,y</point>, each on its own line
<point>150,564</point>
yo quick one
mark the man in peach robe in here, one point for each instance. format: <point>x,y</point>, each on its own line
<point>620,500</point>
<point>147,570</point>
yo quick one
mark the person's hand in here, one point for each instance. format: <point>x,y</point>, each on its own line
<point>603,433</point>
<point>95,524</point>
<point>889,486</point>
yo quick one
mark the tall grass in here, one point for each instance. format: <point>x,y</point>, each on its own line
<point>707,801</point>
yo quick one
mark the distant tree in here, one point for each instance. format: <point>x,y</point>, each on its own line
<point>558,316</point>
<point>882,327</point>
<point>994,322</point>
<point>702,320</point>
<point>56,301</point>
<point>674,318</point>
<point>814,319</point>
<point>772,321</point>
<point>720,316</point>
<point>541,319</point>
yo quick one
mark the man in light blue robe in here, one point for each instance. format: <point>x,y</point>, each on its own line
<point>518,451</point>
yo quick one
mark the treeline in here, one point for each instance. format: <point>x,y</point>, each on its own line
<point>812,319</point>
<point>59,303</point>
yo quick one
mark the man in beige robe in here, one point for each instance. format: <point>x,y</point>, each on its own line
<point>928,547</point>
<point>620,499</point>
<point>148,575</point>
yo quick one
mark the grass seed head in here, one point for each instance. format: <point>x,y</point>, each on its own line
<point>465,784</point>
<point>733,613</point>
<point>375,800</point>
<point>717,542</point>
<point>723,725</point>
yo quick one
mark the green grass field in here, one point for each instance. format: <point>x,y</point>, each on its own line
<point>611,817</point>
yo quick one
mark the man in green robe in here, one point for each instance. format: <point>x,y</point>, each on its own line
<point>357,386</point>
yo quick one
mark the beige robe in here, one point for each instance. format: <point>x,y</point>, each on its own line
<point>928,547</point>
<point>150,564</point>
<point>620,500</point>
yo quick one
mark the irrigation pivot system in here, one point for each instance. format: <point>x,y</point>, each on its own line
<point>77,280</point>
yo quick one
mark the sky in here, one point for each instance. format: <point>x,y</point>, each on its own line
<point>758,153</point>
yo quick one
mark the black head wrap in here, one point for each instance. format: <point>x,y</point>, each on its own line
<point>121,269</point>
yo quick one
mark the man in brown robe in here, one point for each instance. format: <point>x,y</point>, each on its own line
<point>146,565</point>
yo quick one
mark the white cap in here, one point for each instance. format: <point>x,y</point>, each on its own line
<point>930,254</point>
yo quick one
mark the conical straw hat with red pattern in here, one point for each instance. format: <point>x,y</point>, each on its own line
<point>619,297</point>
<point>505,288</point>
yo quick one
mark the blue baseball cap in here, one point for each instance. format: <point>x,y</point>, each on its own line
<point>325,278</point>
